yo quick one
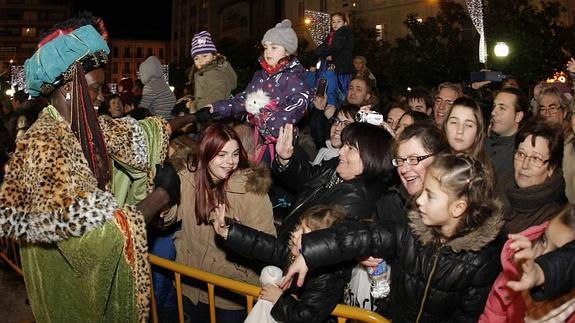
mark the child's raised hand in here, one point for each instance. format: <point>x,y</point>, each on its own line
<point>298,267</point>
<point>218,220</point>
<point>284,145</point>
<point>571,65</point>
<point>271,293</point>
<point>525,257</point>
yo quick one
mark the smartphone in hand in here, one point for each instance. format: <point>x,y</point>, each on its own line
<point>321,87</point>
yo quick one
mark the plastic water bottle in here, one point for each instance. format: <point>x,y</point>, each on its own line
<point>379,277</point>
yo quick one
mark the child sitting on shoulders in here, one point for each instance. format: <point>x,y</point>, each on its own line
<point>279,90</point>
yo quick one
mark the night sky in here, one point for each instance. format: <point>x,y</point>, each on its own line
<point>131,19</point>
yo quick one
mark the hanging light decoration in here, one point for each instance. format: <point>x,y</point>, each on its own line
<point>318,25</point>
<point>475,8</point>
<point>17,77</point>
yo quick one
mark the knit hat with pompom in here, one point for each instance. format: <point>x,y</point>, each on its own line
<point>284,35</point>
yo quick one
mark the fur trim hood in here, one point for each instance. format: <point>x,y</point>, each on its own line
<point>472,241</point>
<point>254,179</point>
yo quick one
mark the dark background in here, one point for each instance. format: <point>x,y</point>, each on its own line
<point>132,19</point>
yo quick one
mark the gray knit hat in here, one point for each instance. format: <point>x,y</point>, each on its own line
<point>284,35</point>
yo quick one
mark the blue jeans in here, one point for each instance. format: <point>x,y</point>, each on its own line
<point>161,244</point>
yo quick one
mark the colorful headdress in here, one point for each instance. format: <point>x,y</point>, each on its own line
<point>62,57</point>
<point>53,65</point>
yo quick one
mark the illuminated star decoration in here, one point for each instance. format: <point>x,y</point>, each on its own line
<point>318,25</point>
<point>17,77</point>
<point>475,8</point>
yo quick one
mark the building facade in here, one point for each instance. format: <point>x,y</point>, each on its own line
<point>233,19</point>
<point>385,16</point>
<point>126,56</point>
<point>22,22</point>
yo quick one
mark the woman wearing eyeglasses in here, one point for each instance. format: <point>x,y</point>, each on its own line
<point>415,149</point>
<point>345,116</point>
<point>538,191</point>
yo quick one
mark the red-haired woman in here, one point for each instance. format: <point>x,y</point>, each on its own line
<point>218,173</point>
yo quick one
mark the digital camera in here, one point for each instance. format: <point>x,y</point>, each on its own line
<point>369,117</point>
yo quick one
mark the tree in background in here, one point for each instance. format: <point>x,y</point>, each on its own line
<point>437,49</point>
<point>534,35</point>
<point>444,48</point>
<point>376,52</point>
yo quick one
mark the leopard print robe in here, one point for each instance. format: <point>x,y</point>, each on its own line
<point>51,203</point>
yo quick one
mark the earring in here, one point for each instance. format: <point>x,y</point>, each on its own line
<point>68,96</point>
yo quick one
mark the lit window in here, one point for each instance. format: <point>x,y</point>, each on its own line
<point>379,32</point>
<point>28,32</point>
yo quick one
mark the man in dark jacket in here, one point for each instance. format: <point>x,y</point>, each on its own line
<point>510,110</point>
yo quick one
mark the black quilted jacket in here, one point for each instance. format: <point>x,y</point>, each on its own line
<point>322,291</point>
<point>430,281</point>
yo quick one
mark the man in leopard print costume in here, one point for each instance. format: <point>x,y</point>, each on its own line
<point>83,250</point>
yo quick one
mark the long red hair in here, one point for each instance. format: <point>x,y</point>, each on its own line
<point>208,193</point>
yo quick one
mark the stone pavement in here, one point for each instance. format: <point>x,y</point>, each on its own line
<point>14,307</point>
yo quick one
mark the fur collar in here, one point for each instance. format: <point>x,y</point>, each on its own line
<point>254,179</point>
<point>472,241</point>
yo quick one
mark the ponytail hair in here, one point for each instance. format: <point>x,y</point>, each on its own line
<point>464,177</point>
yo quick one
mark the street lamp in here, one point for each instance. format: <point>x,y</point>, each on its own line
<point>501,49</point>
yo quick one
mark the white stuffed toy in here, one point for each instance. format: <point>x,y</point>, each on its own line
<point>255,101</point>
<point>261,109</point>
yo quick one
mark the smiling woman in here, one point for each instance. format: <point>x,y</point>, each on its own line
<point>218,173</point>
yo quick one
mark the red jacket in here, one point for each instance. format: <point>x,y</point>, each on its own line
<point>504,304</point>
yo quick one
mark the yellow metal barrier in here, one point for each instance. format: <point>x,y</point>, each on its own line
<point>9,253</point>
<point>343,312</point>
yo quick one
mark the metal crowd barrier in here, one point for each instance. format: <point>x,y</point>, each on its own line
<point>251,292</point>
<point>10,255</point>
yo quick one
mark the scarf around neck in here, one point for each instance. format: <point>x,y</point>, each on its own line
<point>535,204</point>
<point>531,198</point>
<point>271,70</point>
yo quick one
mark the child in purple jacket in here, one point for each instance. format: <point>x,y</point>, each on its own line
<point>281,83</point>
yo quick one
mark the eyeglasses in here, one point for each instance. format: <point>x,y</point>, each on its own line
<point>549,110</point>
<point>336,122</point>
<point>439,101</point>
<point>411,160</point>
<point>533,160</point>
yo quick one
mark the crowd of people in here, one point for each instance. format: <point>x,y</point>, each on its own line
<point>464,196</point>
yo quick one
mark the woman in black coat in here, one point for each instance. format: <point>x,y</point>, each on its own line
<point>355,180</point>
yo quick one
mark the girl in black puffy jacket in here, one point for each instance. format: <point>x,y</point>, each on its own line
<point>324,288</point>
<point>444,259</point>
